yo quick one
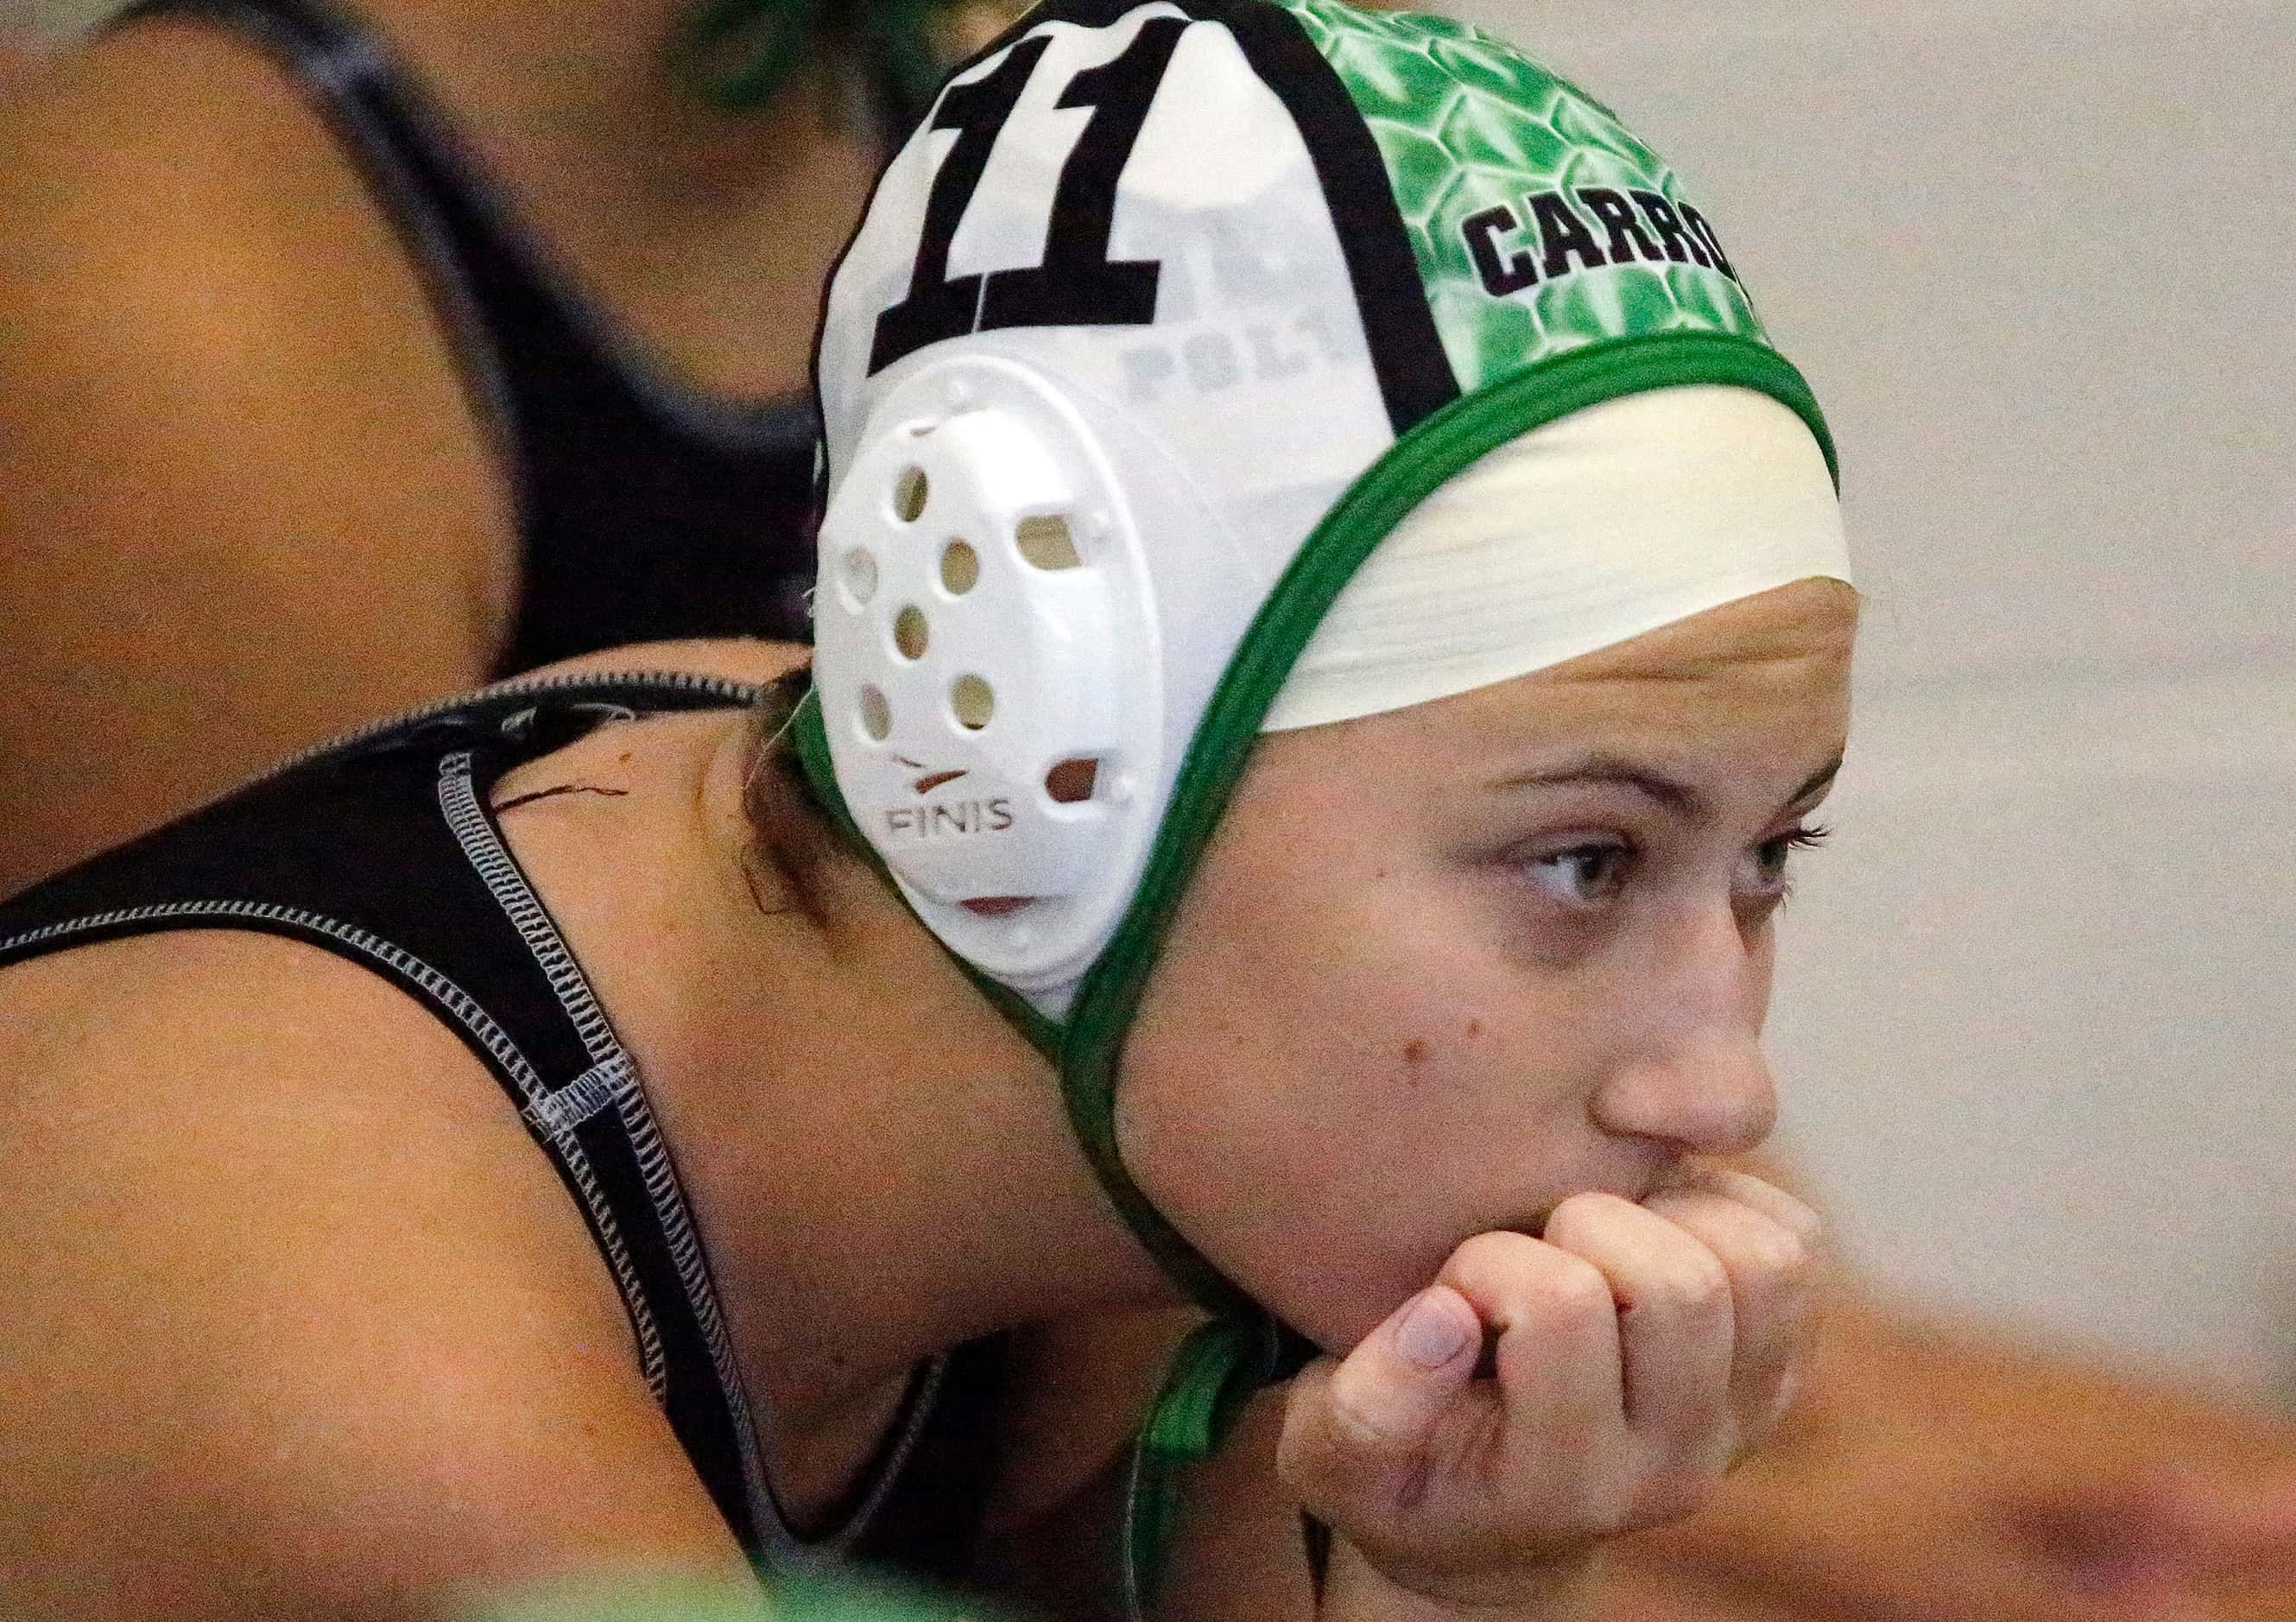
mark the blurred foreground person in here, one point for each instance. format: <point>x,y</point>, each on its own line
<point>1332,624</point>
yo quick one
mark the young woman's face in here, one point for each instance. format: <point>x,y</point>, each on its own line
<point>1442,967</point>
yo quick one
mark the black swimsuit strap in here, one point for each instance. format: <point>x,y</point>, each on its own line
<point>382,848</point>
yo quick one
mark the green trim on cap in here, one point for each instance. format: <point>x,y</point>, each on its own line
<point>1412,469</point>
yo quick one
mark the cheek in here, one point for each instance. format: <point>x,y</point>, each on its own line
<point>1342,981</point>
<point>1255,1023</point>
<point>1344,1074</point>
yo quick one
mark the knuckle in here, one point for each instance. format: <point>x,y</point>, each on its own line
<point>1797,1254</point>
<point>1674,1489</point>
<point>1772,1203</point>
<point>1307,1457</point>
<point>1792,1245</point>
<point>1303,1406</point>
<point>1803,1220</point>
<point>1578,1210</point>
<point>1576,1290</point>
<point>1692,1286</point>
<point>1359,1422</point>
<point>1489,1255</point>
<point>1600,1509</point>
<point>1775,1256</point>
<point>1669,1496</point>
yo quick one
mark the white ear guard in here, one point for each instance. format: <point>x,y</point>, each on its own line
<point>993,665</point>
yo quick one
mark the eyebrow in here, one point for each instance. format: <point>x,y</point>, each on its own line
<point>1669,791</point>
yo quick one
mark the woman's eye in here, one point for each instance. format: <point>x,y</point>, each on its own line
<point>1583,875</point>
<point>1769,863</point>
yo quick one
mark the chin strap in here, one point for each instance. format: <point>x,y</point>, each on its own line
<point>1220,1367</point>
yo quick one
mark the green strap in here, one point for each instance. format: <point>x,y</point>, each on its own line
<point>737,55</point>
<point>1219,1368</point>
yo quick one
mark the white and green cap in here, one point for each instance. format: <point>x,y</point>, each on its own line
<point>1163,318</point>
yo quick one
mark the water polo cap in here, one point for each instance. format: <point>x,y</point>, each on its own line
<point>1165,315</point>
<point>1163,318</point>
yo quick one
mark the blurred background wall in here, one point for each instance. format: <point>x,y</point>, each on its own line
<point>2038,1009</point>
<point>2038,1012</point>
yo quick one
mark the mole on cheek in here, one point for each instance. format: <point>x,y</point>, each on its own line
<point>1415,1051</point>
<point>1474,1028</point>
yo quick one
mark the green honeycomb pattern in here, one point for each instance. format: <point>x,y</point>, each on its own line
<point>1466,121</point>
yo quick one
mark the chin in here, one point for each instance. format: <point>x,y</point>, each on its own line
<point>1337,1310</point>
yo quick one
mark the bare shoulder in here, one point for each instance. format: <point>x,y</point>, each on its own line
<point>180,223</point>
<point>299,1321</point>
<point>246,499</point>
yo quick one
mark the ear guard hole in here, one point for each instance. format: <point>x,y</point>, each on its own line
<point>876,714</point>
<point>910,632</point>
<point>997,906</point>
<point>973,702</point>
<point>960,567</point>
<point>1071,782</point>
<point>909,492</point>
<point>1045,542</point>
<point>860,575</point>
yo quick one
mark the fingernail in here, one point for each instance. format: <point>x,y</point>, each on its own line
<point>1429,1335</point>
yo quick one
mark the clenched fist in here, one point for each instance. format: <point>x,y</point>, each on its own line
<point>1544,1393</point>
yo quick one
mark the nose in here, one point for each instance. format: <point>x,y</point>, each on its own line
<point>1707,1094</point>
<point>1690,1071</point>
